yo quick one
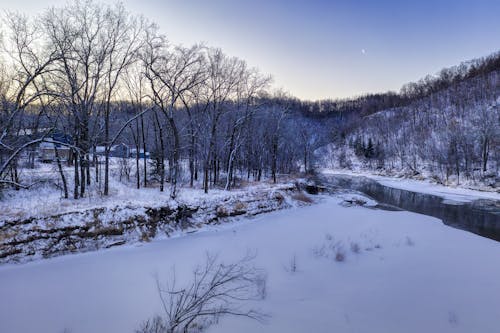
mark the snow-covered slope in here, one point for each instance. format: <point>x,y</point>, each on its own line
<point>451,136</point>
<point>412,274</point>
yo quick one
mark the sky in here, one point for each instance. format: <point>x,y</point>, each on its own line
<point>327,49</point>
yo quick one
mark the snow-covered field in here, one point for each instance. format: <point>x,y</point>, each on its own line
<point>412,274</point>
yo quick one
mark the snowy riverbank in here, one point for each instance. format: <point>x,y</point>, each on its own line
<point>455,193</point>
<point>411,274</point>
<point>35,235</point>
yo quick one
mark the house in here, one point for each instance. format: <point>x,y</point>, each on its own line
<point>100,150</point>
<point>120,150</point>
<point>49,148</point>
<point>142,154</point>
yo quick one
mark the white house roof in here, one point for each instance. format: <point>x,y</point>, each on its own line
<point>49,144</point>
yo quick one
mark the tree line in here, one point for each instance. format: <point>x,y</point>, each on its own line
<point>365,105</point>
<point>452,132</point>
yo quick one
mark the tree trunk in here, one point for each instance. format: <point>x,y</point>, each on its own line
<point>174,168</point>
<point>87,167</point>
<point>205,177</point>
<point>305,160</point>
<point>191,159</point>
<point>162,155</point>
<point>144,148</point>
<point>274,160</point>
<point>96,165</point>
<point>107,149</point>
<point>137,156</point>
<point>76,180</point>
<point>82,175</point>
<point>485,154</point>
<point>211,152</point>
<point>61,172</point>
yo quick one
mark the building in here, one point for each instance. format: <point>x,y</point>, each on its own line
<point>120,150</point>
<point>47,151</point>
<point>142,154</point>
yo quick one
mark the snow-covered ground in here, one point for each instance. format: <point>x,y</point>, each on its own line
<point>412,274</point>
<point>459,194</point>
<point>45,200</point>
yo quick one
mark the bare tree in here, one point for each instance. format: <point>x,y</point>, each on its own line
<point>135,86</point>
<point>22,85</point>
<point>217,289</point>
<point>196,107</point>
<point>486,121</point>
<point>126,38</point>
<point>223,76</point>
<point>278,114</point>
<point>251,86</point>
<point>172,73</point>
<point>95,43</point>
<point>79,33</point>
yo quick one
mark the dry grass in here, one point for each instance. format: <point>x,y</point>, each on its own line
<point>302,197</point>
<point>355,248</point>
<point>340,255</point>
<point>331,249</point>
<point>145,237</point>
<point>240,206</point>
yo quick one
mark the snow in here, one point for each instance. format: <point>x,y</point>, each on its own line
<point>452,194</point>
<point>45,199</point>
<point>412,274</point>
<point>449,193</point>
<point>355,198</point>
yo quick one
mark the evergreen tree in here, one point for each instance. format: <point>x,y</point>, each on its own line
<point>369,150</point>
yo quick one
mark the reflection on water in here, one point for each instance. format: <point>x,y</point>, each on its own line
<point>481,217</point>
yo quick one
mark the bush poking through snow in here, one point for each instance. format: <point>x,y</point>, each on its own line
<point>292,265</point>
<point>331,249</point>
<point>340,255</point>
<point>338,250</point>
<point>302,197</point>
<point>452,318</point>
<point>145,237</point>
<point>216,289</point>
<point>355,248</point>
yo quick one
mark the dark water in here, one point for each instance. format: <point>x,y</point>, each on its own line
<point>481,217</point>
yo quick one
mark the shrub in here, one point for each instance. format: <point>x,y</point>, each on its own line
<point>302,197</point>
<point>355,248</point>
<point>340,255</point>
<point>409,241</point>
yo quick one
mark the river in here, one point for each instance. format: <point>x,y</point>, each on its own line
<point>481,216</point>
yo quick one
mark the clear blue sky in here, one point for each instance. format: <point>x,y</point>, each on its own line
<point>319,49</point>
